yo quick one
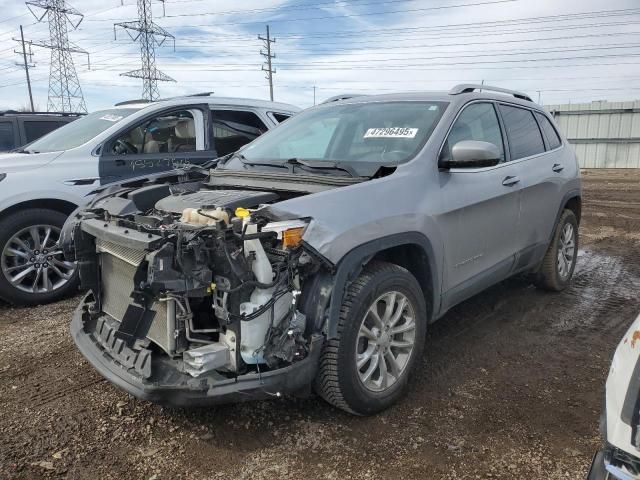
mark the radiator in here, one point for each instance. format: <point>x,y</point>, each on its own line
<point>117,286</point>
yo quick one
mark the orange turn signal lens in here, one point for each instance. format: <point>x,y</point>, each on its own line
<point>292,237</point>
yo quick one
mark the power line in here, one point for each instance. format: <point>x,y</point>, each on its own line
<point>449,55</point>
<point>268,40</point>
<point>443,7</point>
<point>439,30</point>
<point>431,66</point>
<point>431,28</point>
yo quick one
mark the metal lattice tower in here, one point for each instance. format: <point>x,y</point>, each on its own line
<point>149,35</point>
<point>65,94</point>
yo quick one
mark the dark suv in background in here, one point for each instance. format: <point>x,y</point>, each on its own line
<point>18,128</point>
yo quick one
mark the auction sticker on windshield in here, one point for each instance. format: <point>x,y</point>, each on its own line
<point>111,118</point>
<point>391,132</point>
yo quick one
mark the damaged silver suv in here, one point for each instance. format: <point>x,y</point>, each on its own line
<point>318,254</point>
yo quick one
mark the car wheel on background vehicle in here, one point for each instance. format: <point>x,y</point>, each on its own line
<point>32,266</point>
<point>559,262</point>
<point>380,338</point>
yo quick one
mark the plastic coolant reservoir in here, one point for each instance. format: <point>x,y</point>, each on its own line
<point>253,332</point>
<point>191,215</point>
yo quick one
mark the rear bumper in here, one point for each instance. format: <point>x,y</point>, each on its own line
<point>168,386</point>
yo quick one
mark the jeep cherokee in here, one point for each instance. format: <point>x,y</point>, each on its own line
<point>318,254</point>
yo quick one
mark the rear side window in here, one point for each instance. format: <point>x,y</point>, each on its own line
<point>35,129</point>
<point>549,132</point>
<point>477,121</point>
<point>234,129</point>
<point>524,135</point>
<point>280,117</point>
<point>7,140</point>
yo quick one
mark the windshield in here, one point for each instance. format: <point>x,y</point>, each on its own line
<point>385,133</point>
<point>79,131</point>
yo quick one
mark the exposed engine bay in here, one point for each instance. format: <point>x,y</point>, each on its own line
<point>191,277</point>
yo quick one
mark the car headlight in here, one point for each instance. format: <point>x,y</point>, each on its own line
<point>289,231</point>
<point>3,176</point>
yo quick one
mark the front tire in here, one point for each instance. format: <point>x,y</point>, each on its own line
<point>381,332</point>
<point>559,262</point>
<point>33,270</point>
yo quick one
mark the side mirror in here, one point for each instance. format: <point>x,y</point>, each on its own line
<point>473,154</point>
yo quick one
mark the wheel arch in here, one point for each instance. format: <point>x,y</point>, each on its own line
<point>62,206</point>
<point>574,203</point>
<point>410,250</point>
<point>571,200</point>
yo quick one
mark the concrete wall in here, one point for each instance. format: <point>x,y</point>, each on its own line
<point>604,134</point>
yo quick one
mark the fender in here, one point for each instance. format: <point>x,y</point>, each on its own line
<point>576,193</point>
<point>328,290</point>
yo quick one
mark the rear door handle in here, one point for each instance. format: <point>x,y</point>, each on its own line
<point>557,167</point>
<point>510,181</point>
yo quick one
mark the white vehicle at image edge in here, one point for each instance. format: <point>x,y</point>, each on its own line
<point>42,183</point>
<point>619,459</point>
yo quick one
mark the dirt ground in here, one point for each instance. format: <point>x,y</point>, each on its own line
<point>510,386</point>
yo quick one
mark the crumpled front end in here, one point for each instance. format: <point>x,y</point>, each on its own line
<point>193,297</point>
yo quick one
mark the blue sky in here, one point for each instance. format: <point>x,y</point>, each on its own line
<point>359,46</point>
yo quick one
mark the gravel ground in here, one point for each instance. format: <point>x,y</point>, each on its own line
<point>510,386</point>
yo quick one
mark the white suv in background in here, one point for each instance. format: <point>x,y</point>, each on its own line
<point>41,184</point>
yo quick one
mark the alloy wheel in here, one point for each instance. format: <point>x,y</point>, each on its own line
<point>385,341</point>
<point>32,260</point>
<point>566,251</point>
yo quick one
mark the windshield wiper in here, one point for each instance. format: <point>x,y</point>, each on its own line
<point>303,164</point>
<point>323,165</point>
<point>246,161</point>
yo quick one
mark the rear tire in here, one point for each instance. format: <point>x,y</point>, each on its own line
<point>33,270</point>
<point>367,367</point>
<point>556,269</point>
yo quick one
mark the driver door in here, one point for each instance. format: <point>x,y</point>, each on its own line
<point>163,141</point>
<point>480,210</point>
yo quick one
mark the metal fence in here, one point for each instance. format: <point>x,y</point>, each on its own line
<point>604,134</point>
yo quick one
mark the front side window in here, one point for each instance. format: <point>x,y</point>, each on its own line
<point>80,131</point>
<point>477,121</point>
<point>174,132</point>
<point>385,133</point>
<point>549,132</point>
<point>524,135</point>
<point>7,139</point>
<point>233,129</point>
<point>34,129</point>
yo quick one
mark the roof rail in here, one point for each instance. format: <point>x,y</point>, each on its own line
<point>344,96</point>
<point>131,102</point>
<point>62,114</point>
<point>201,94</point>
<point>470,87</point>
<point>143,100</point>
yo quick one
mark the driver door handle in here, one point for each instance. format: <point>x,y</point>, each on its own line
<point>557,167</point>
<point>510,181</point>
<point>120,163</point>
